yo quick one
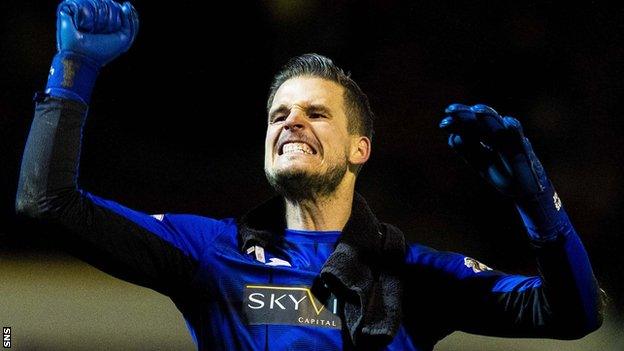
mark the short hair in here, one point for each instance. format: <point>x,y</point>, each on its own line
<point>357,108</point>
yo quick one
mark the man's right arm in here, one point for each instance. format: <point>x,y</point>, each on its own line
<point>127,244</point>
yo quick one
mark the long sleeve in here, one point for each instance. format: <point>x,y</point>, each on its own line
<point>128,244</point>
<point>563,302</point>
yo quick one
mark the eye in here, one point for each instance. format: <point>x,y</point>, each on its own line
<point>316,115</point>
<point>278,118</point>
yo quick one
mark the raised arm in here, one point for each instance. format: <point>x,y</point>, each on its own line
<point>565,300</point>
<point>126,243</point>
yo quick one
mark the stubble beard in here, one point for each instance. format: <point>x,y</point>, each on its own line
<point>299,185</point>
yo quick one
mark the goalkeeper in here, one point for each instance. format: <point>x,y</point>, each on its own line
<point>312,268</point>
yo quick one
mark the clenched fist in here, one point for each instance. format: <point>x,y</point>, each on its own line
<point>89,34</point>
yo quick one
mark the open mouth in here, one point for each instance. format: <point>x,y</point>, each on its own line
<point>294,147</point>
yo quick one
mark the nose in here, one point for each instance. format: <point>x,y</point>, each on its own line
<point>295,120</point>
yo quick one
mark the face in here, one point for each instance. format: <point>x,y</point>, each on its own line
<point>308,147</point>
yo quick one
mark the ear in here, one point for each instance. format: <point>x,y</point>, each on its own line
<point>360,150</point>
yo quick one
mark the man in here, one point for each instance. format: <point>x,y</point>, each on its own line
<point>311,269</point>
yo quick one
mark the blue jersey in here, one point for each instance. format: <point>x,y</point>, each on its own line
<point>262,299</point>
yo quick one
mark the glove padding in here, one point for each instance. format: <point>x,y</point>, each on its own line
<point>496,147</point>
<point>101,30</point>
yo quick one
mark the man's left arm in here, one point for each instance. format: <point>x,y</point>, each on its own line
<point>565,301</point>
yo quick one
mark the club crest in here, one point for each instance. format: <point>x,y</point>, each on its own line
<point>475,265</point>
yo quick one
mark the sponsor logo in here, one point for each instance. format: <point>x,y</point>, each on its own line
<point>475,265</point>
<point>270,304</point>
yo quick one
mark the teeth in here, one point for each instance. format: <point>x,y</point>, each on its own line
<point>299,148</point>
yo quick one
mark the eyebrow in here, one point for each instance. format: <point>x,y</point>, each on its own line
<point>314,108</point>
<point>318,109</point>
<point>281,109</point>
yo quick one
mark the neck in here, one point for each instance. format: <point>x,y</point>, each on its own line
<point>324,213</point>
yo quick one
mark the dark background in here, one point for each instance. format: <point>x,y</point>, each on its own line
<point>177,123</point>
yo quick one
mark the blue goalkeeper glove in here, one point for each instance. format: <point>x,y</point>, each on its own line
<point>89,34</point>
<point>497,148</point>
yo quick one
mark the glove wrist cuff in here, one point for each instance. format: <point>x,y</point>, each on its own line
<point>72,76</point>
<point>543,214</point>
